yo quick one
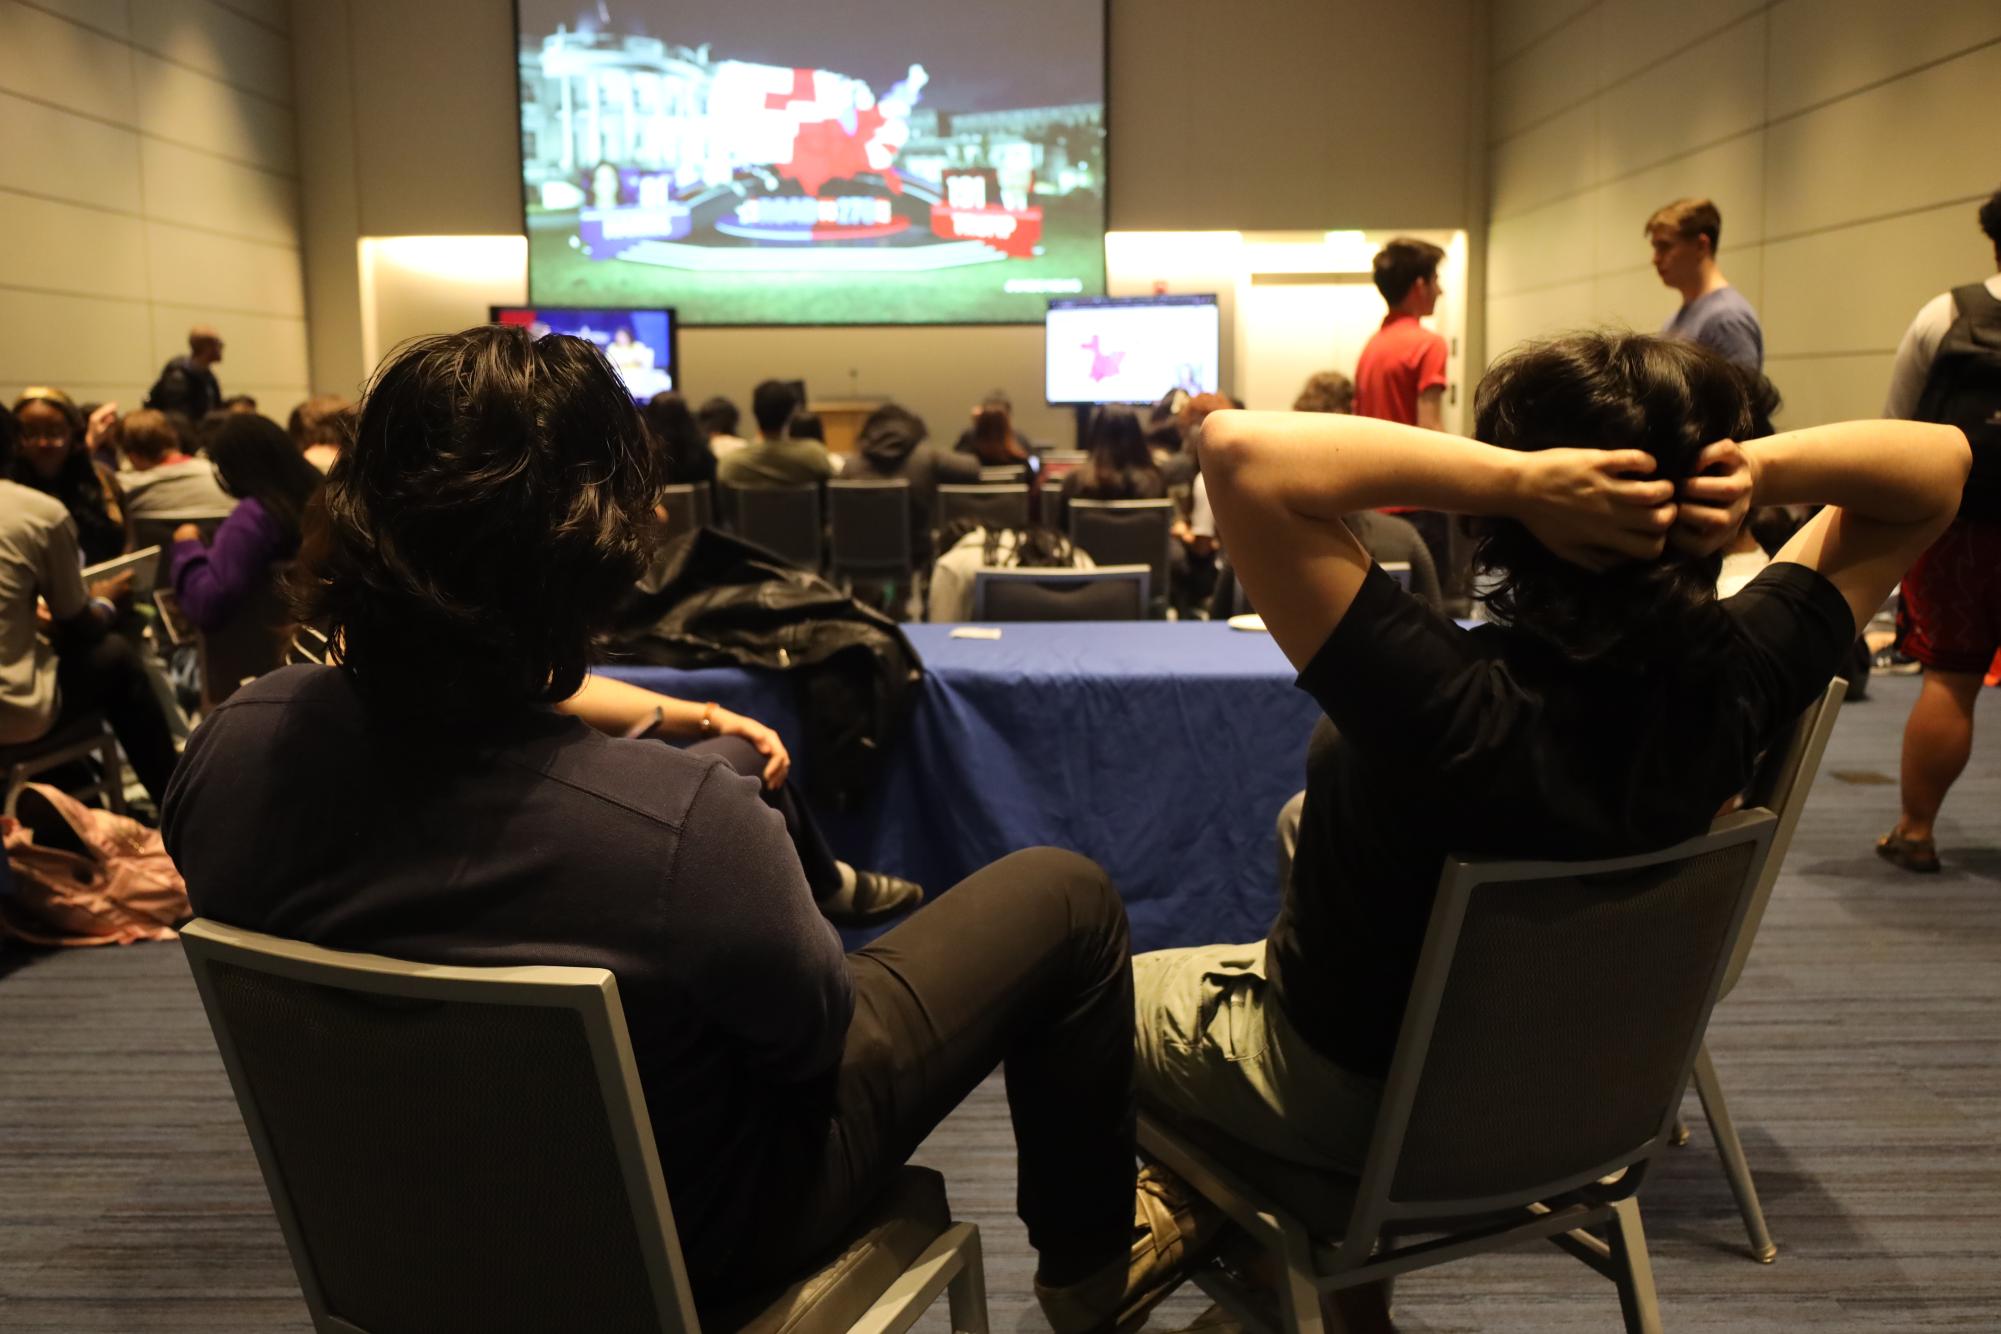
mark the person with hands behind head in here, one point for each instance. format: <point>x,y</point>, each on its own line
<point>1613,705</point>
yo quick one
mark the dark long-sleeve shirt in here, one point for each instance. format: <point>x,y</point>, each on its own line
<point>213,581</point>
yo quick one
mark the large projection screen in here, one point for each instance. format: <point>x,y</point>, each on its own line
<point>768,162</point>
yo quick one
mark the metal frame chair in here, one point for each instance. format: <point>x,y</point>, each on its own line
<point>776,519</point>
<point>1500,1123</point>
<point>469,1148</point>
<point>1106,530</point>
<point>869,534</point>
<point>993,600</point>
<point>1781,786</point>
<point>1002,504</point>
<point>88,736</point>
<point>689,505</point>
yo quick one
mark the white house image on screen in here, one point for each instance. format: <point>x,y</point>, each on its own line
<point>670,157</point>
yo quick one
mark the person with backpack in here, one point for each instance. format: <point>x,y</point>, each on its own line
<point>1948,369</point>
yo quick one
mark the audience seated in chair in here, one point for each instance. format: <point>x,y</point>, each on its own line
<point>53,457</point>
<point>679,439</point>
<point>423,799</point>
<point>774,458</point>
<point>273,484</point>
<point>52,676</point>
<point>161,480</point>
<point>321,426</point>
<point>894,444</point>
<point>1614,709</point>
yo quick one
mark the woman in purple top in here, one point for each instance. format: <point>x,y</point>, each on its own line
<point>273,482</point>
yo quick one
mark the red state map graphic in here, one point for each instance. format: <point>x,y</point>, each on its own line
<point>823,150</point>
<point>1104,365</point>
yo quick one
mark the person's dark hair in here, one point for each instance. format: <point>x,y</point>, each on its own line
<point>1688,219</point>
<point>1401,263</point>
<point>255,459</point>
<point>1117,456</point>
<point>77,484</point>
<point>1990,223</point>
<point>994,442</point>
<point>239,403</point>
<point>496,502</point>
<point>806,426</point>
<point>1613,391</point>
<point>772,403</point>
<point>206,429</point>
<point>149,436</point>
<point>681,444</point>
<point>184,427</point>
<point>1326,391</point>
<point>718,416</point>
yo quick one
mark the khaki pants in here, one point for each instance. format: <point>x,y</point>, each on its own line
<point>1213,1045</point>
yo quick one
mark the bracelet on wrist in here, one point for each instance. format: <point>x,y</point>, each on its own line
<point>709,718</point>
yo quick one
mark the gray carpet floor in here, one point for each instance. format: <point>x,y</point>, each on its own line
<point>1861,1054</point>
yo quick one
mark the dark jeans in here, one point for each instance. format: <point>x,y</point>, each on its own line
<point>823,873</point>
<point>107,676</point>
<point>1026,963</point>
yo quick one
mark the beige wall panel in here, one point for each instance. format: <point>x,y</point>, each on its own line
<point>257,349</point>
<point>273,14</point>
<point>1514,319</point>
<point>49,58</point>
<point>112,17</point>
<point>41,147</point>
<point>1517,23</point>
<point>195,110</point>
<point>1905,145</point>
<point>1744,266</point>
<point>188,186</point>
<point>127,394</point>
<point>1639,33</point>
<point>1706,93</point>
<point>218,42</point>
<point>1633,299</point>
<point>1557,157</point>
<point>1560,70</point>
<point>1825,48</point>
<point>1732,174</point>
<point>64,340</point>
<point>64,248</point>
<point>199,268</point>
<point>1855,290</point>
<point>1540,248</point>
<point>1829,389</point>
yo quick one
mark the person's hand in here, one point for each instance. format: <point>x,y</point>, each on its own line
<point>187,532</point>
<point>116,590</point>
<point>101,422</point>
<point>1595,507</point>
<point>777,762</point>
<point>1715,499</point>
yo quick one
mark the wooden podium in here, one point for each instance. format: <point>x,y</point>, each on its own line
<point>842,418</point>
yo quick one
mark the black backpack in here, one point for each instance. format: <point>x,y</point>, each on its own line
<point>1964,390</point>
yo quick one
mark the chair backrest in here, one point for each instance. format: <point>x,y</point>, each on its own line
<point>446,1148</point>
<point>1553,1024</point>
<point>1107,593</point>
<point>869,523</point>
<point>1781,786</point>
<point>689,506</point>
<point>255,640</point>
<point>1126,532</point>
<point>992,504</point>
<point>784,520</point>
<point>1001,474</point>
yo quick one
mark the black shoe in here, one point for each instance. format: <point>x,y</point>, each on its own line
<point>877,897</point>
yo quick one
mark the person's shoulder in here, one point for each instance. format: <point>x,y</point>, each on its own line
<point>24,507</point>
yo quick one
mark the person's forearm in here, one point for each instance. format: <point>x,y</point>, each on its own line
<point>618,707</point>
<point>1890,471</point>
<point>1325,465</point>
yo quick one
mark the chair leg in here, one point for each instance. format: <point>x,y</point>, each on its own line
<point>1731,1151</point>
<point>1632,1271</point>
<point>1299,1302</point>
<point>114,776</point>
<point>967,1294</point>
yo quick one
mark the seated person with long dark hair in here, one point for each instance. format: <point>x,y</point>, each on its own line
<point>55,674</point>
<point>1614,707</point>
<point>52,459</point>
<point>422,799</point>
<point>257,463</point>
<point>682,443</point>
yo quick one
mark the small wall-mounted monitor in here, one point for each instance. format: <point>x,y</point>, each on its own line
<point>1130,349</point>
<point>639,343</point>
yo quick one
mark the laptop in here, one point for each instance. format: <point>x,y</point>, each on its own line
<point>144,564</point>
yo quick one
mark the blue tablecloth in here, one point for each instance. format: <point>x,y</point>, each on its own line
<point>1161,750</point>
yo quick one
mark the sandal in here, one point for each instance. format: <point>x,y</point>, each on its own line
<point>1912,854</point>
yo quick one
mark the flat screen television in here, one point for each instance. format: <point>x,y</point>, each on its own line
<point>1130,349</point>
<point>767,162</point>
<point>640,344</point>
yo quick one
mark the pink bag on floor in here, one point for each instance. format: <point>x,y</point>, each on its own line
<point>83,876</point>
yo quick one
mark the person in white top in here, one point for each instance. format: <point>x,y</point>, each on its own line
<point>1947,370</point>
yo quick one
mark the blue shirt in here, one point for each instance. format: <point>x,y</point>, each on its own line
<point>1724,322</point>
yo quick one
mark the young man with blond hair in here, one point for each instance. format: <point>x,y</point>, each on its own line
<point>1713,314</point>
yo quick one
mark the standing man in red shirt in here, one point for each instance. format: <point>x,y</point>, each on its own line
<point>1401,374</point>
